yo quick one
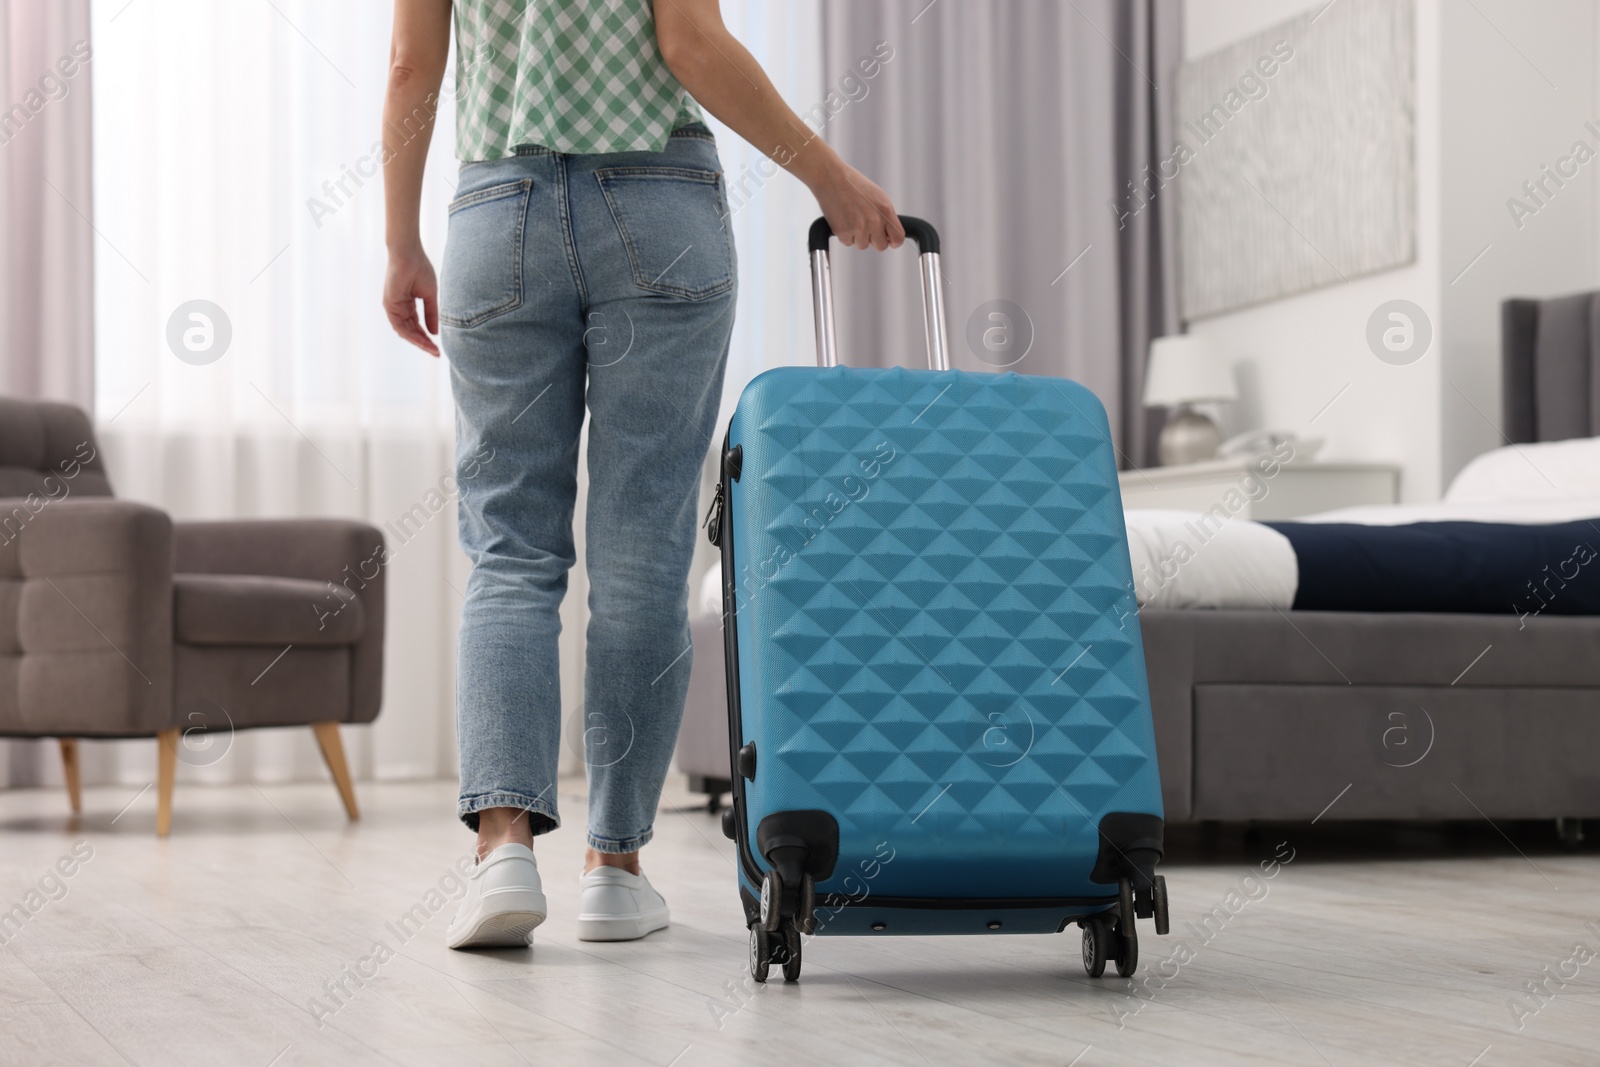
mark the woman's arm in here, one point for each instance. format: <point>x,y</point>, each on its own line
<point>726,80</point>
<point>417,58</point>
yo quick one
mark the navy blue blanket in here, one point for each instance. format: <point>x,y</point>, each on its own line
<point>1476,567</point>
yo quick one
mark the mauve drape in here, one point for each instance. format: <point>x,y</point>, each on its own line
<point>46,201</point>
<point>1015,127</point>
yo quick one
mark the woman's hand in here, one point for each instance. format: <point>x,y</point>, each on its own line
<point>409,279</point>
<point>861,214</point>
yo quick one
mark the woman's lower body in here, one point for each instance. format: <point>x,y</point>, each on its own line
<point>571,283</point>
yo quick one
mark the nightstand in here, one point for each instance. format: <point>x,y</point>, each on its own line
<point>1295,489</point>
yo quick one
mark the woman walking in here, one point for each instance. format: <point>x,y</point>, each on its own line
<point>589,264</point>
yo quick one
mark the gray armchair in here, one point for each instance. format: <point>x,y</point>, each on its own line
<point>116,622</point>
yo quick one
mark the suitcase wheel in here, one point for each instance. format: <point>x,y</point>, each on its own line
<point>1127,945</point>
<point>791,950</point>
<point>782,948</point>
<point>771,901</point>
<point>1104,939</point>
<point>805,918</point>
<point>1124,946</point>
<point>1096,935</point>
<point>760,957</point>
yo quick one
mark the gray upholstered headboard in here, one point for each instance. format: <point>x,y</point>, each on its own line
<point>1550,367</point>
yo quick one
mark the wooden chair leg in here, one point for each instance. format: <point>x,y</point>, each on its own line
<point>167,748</point>
<point>333,753</point>
<point>69,765</point>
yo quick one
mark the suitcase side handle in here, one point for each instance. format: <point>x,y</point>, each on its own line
<point>935,331</point>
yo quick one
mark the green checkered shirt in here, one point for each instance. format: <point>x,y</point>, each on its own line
<point>582,76</point>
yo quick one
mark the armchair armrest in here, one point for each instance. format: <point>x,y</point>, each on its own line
<point>90,585</point>
<point>342,553</point>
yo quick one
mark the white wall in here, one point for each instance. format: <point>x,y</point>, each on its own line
<point>1485,122</point>
<point>1506,116</point>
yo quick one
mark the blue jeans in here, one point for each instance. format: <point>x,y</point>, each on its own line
<point>574,280</point>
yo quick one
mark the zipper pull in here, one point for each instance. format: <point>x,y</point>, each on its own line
<point>713,523</point>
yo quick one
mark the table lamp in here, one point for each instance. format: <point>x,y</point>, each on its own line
<point>1185,370</point>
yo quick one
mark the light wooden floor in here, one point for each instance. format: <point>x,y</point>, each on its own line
<point>1372,946</point>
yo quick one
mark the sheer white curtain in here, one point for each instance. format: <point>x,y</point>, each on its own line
<point>236,164</point>
<point>46,67</point>
<point>235,155</point>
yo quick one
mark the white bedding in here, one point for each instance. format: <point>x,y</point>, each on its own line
<point>1183,559</point>
<point>1186,559</point>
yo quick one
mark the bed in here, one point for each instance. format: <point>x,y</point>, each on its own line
<point>1268,712</point>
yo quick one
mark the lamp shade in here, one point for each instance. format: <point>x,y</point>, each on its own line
<point>1186,369</point>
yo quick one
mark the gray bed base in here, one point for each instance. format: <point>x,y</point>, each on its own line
<point>1343,715</point>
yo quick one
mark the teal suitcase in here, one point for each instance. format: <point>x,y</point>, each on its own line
<point>939,714</point>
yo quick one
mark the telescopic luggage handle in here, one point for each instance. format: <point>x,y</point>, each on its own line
<point>927,238</point>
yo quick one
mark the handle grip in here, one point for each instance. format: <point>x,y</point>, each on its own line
<point>927,238</point>
<point>919,230</point>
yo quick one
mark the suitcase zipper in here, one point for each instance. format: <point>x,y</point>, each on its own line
<point>713,521</point>
<point>721,535</point>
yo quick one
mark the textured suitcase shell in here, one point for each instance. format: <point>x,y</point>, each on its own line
<point>935,636</point>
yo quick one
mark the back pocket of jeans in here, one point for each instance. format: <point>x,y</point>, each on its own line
<point>672,221</point>
<point>482,274</point>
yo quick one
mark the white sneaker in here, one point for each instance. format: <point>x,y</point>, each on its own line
<point>618,906</point>
<point>504,901</point>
